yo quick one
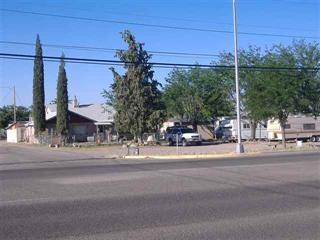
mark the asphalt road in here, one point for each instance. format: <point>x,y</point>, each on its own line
<point>273,196</point>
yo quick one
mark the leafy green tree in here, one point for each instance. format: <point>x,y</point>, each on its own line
<point>38,107</point>
<point>248,59</point>
<point>175,92</point>
<point>6,115</point>
<point>276,83</point>
<point>214,93</point>
<point>62,100</point>
<point>226,74</point>
<point>282,85</point>
<point>196,94</point>
<point>291,85</point>
<point>253,86</point>
<point>135,95</point>
<point>307,56</point>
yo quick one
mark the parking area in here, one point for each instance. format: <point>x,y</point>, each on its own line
<point>120,151</point>
<point>226,148</point>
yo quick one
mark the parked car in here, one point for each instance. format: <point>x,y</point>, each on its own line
<point>183,135</point>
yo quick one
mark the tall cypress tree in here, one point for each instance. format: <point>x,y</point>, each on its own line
<point>38,107</point>
<point>62,100</point>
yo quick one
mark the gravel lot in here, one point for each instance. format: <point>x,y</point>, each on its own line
<point>115,151</point>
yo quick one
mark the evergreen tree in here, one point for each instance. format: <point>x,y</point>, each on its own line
<point>135,95</point>
<point>62,100</point>
<point>38,107</point>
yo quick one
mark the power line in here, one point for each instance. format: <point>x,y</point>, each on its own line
<point>88,48</point>
<point>156,64</point>
<point>184,19</point>
<point>81,61</point>
<point>156,25</point>
<point>6,96</point>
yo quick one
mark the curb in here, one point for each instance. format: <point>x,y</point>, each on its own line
<point>212,155</point>
<point>189,156</point>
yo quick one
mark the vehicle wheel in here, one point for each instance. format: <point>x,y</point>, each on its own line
<point>317,138</point>
<point>313,139</point>
<point>170,142</point>
<point>184,142</point>
<point>199,143</point>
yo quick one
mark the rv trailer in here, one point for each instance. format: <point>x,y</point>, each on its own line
<point>299,127</point>
<point>228,130</point>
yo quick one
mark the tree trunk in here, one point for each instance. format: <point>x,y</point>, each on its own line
<point>195,126</point>
<point>283,132</point>
<point>135,137</point>
<point>253,127</point>
<point>138,138</point>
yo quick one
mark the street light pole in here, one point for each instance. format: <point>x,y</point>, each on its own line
<point>14,105</point>
<point>239,147</point>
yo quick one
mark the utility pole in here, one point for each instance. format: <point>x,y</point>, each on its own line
<point>14,105</point>
<point>239,147</point>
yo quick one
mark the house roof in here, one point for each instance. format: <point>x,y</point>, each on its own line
<point>99,113</point>
<point>16,124</point>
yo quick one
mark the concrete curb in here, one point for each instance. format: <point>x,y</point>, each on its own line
<point>216,155</point>
<point>190,156</point>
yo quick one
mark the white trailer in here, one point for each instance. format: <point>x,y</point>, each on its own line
<point>299,127</point>
<point>228,130</point>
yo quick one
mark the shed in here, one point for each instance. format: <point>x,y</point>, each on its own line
<point>16,132</point>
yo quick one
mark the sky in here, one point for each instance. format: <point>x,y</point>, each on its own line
<point>179,32</point>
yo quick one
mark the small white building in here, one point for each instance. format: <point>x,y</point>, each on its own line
<point>16,132</point>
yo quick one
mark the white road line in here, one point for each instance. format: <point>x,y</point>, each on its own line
<point>239,166</point>
<point>267,165</point>
<point>103,178</point>
<point>24,201</point>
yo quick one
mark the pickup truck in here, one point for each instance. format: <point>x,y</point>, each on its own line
<point>183,135</point>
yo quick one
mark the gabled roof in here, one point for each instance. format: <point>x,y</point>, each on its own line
<point>99,113</point>
<point>17,124</point>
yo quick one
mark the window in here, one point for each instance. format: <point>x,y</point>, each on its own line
<point>309,126</point>
<point>109,117</point>
<point>175,131</point>
<point>187,130</point>
<point>246,125</point>
<point>287,126</point>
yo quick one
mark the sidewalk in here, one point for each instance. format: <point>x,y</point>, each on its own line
<point>161,152</point>
<point>211,150</point>
<point>205,150</point>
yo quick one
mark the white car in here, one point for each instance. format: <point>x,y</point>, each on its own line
<point>183,135</point>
